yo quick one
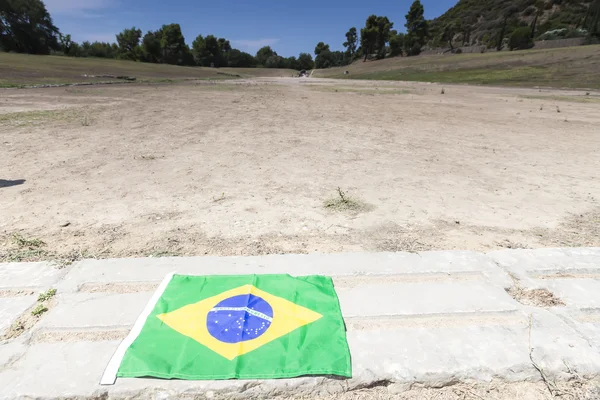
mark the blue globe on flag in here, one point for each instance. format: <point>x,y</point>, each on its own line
<point>239,318</point>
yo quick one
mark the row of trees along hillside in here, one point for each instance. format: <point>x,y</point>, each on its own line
<point>493,23</point>
<point>378,39</point>
<point>26,27</point>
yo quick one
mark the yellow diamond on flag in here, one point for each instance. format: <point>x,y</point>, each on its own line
<point>238,321</point>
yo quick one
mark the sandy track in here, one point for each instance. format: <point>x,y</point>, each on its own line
<point>245,167</point>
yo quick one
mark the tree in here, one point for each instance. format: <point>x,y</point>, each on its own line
<point>593,26</point>
<point>501,34</point>
<point>291,63</point>
<point>263,55</point>
<point>213,50</point>
<point>416,29</point>
<point>151,49</point>
<point>396,43</point>
<point>172,45</point>
<point>305,61</point>
<point>66,44</point>
<point>99,49</point>
<point>275,61</point>
<point>368,36</point>
<point>351,42</point>
<point>26,27</point>
<point>239,59</point>
<point>199,52</point>
<point>375,35</point>
<point>128,41</point>
<point>384,27</point>
<point>324,59</point>
<point>521,39</point>
<point>447,35</point>
<point>321,47</point>
<point>539,9</point>
<point>224,45</point>
<point>328,59</point>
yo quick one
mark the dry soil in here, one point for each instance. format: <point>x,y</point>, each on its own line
<point>253,167</point>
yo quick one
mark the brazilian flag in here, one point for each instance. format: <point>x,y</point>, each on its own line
<point>244,326</point>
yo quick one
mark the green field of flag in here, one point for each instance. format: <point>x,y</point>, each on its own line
<point>244,326</point>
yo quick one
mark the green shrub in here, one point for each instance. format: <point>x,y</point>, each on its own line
<point>521,39</point>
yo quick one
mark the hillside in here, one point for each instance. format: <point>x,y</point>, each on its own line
<point>572,67</point>
<point>24,69</point>
<point>480,21</point>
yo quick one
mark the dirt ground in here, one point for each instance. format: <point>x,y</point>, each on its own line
<point>253,167</point>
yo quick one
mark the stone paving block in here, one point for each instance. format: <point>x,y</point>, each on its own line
<point>432,317</point>
<point>73,370</point>
<point>57,370</point>
<point>433,355</point>
<point>87,310</point>
<point>579,293</point>
<point>523,261</point>
<point>423,298</point>
<point>84,310</point>
<point>11,351</point>
<point>28,275</point>
<point>448,352</point>
<point>154,269</point>
<point>12,307</point>
<point>586,322</point>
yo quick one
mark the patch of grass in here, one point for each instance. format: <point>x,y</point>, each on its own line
<point>219,199</point>
<point>514,77</point>
<point>86,120</point>
<point>29,118</point>
<point>45,296</point>
<point>65,259</point>
<point>25,117</point>
<point>158,253</point>
<point>25,249</point>
<point>343,202</point>
<point>39,310</point>
<point>23,242</point>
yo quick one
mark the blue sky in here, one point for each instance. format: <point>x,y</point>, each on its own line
<point>289,27</point>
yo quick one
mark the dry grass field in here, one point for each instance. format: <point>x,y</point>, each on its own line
<point>572,67</point>
<point>278,165</point>
<point>18,70</point>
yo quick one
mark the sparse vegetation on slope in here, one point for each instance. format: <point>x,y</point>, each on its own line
<point>482,21</point>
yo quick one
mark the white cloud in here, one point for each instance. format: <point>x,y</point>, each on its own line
<point>78,7</point>
<point>253,45</point>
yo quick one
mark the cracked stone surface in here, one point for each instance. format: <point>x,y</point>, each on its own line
<point>432,318</point>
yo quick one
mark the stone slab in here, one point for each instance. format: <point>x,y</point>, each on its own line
<point>423,298</point>
<point>95,310</point>
<point>88,310</point>
<point>12,307</point>
<point>431,355</point>
<point>579,293</point>
<point>346,264</point>
<point>522,262</point>
<point>432,318</point>
<point>28,275</point>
